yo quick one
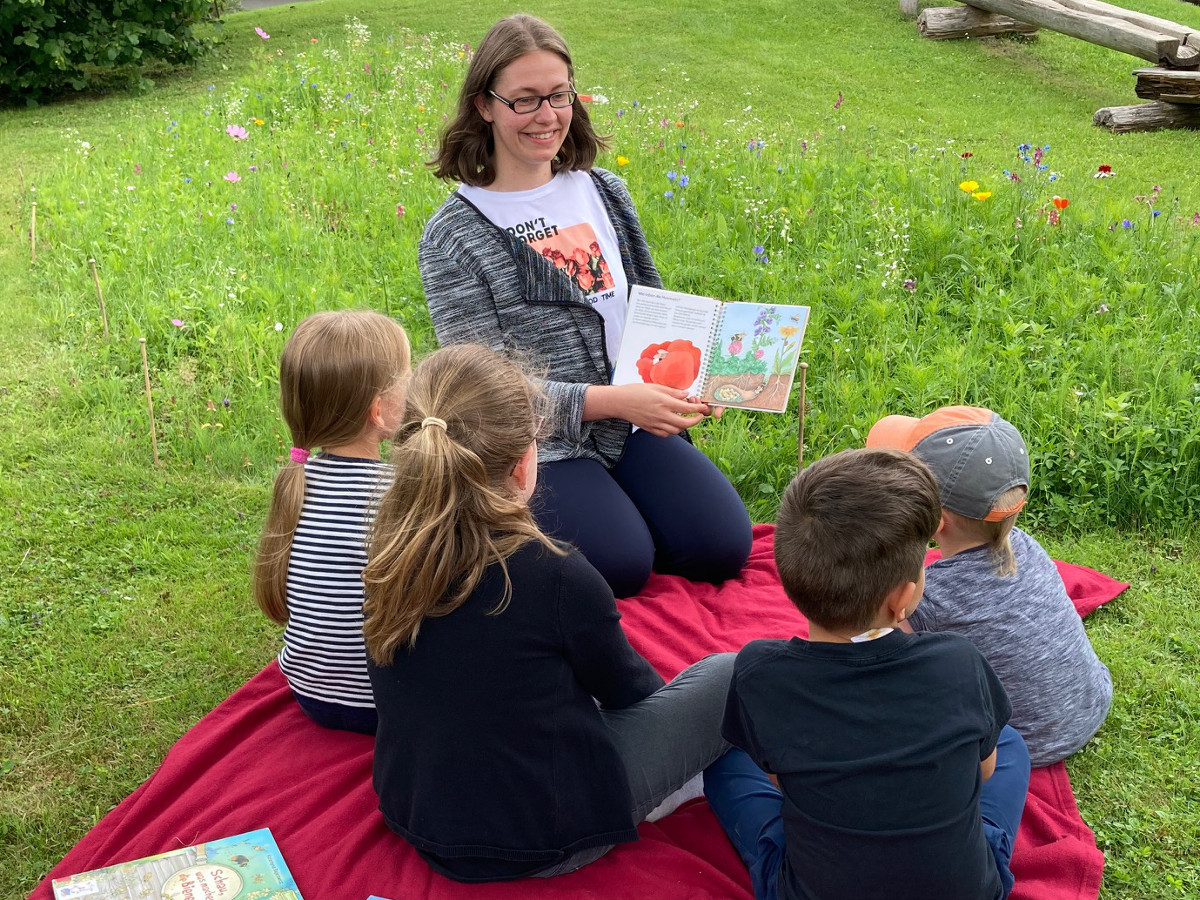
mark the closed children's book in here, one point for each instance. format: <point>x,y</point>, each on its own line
<point>742,355</point>
<point>244,867</point>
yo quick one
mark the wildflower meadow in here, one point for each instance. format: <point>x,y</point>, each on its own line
<point>934,276</point>
<point>961,249</point>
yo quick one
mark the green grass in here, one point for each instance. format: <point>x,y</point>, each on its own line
<point>125,611</point>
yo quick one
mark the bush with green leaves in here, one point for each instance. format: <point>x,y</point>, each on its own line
<point>49,47</point>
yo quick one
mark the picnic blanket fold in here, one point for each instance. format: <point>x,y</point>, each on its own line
<point>256,761</point>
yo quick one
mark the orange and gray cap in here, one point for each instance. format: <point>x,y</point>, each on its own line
<point>974,454</point>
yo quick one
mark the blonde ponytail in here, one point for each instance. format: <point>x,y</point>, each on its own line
<point>452,509</point>
<point>995,536</point>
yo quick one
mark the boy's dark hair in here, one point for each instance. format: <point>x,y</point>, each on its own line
<point>851,528</point>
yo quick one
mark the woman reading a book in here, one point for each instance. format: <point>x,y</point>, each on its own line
<point>536,252</point>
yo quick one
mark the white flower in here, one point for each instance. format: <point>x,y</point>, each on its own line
<point>279,326</point>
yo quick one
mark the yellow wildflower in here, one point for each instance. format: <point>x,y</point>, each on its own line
<point>622,161</point>
<point>969,187</point>
<point>982,195</point>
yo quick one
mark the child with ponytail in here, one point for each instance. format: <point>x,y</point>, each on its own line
<point>341,385</point>
<point>519,732</point>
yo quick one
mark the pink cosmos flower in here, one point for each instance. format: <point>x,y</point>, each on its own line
<point>178,323</point>
<point>237,132</point>
<point>262,34</point>
<point>232,177</point>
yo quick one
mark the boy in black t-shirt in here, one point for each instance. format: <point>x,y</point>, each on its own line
<point>899,776</point>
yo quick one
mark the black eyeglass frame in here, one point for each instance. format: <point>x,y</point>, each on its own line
<point>542,98</point>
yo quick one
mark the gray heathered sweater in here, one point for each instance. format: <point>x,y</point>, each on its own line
<point>486,286</point>
<point>1027,628</point>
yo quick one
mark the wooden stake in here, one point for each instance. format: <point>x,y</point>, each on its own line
<point>100,296</point>
<point>33,233</point>
<point>800,435</point>
<point>149,401</point>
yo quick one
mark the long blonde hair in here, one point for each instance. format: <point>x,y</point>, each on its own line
<point>334,366</point>
<point>995,536</point>
<point>453,508</point>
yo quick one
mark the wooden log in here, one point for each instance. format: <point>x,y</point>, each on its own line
<point>1168,85</point>
<point>909,7</point>
<point>1151,23</point>
<point>1147,117</point>
<point>1159,48</point>
<point>941,23</point>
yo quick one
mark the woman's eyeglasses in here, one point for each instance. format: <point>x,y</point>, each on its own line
<point>523,106</point>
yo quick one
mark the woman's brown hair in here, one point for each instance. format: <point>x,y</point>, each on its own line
<point>466,147</point>
<point>453,508</point>
<point>334,366</point>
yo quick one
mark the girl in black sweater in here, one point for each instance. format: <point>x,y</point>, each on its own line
<point>519,732</point>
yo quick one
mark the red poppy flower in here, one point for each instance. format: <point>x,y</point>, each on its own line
<point>1060,202</point>
<point>672,363</point>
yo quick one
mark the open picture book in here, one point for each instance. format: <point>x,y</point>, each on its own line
<point>741,355</point>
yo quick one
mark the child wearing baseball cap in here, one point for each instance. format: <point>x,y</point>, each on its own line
<point>996,585</point>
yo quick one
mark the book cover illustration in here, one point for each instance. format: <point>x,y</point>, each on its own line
<point>740,355</point>
<point>243,867</point>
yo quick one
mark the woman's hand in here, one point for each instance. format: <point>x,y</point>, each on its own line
<point>655,408</point>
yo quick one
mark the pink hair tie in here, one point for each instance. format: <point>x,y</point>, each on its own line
<point>299,455</point>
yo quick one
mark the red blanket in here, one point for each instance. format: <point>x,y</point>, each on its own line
<point>257,761</point>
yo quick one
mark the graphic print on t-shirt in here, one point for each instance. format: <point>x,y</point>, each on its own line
<point>575,251</point>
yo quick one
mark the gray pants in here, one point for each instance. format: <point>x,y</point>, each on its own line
<point>666,740</point>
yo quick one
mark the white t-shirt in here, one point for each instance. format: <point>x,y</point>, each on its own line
<point>566,222</point>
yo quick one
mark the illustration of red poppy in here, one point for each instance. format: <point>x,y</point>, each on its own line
<point>671,363</point>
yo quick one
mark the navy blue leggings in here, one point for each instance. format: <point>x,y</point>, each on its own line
<point>335,715</point>
<point>664,506</point>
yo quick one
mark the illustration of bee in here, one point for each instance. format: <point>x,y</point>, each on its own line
<point>735,343</point>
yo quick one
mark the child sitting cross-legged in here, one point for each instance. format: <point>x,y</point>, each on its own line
<point>897,775</point>
<point>996,585</point>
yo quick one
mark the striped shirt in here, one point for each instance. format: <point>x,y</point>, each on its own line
<point>324,657</point>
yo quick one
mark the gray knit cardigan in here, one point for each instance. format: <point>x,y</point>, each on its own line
<point>485,286</point>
